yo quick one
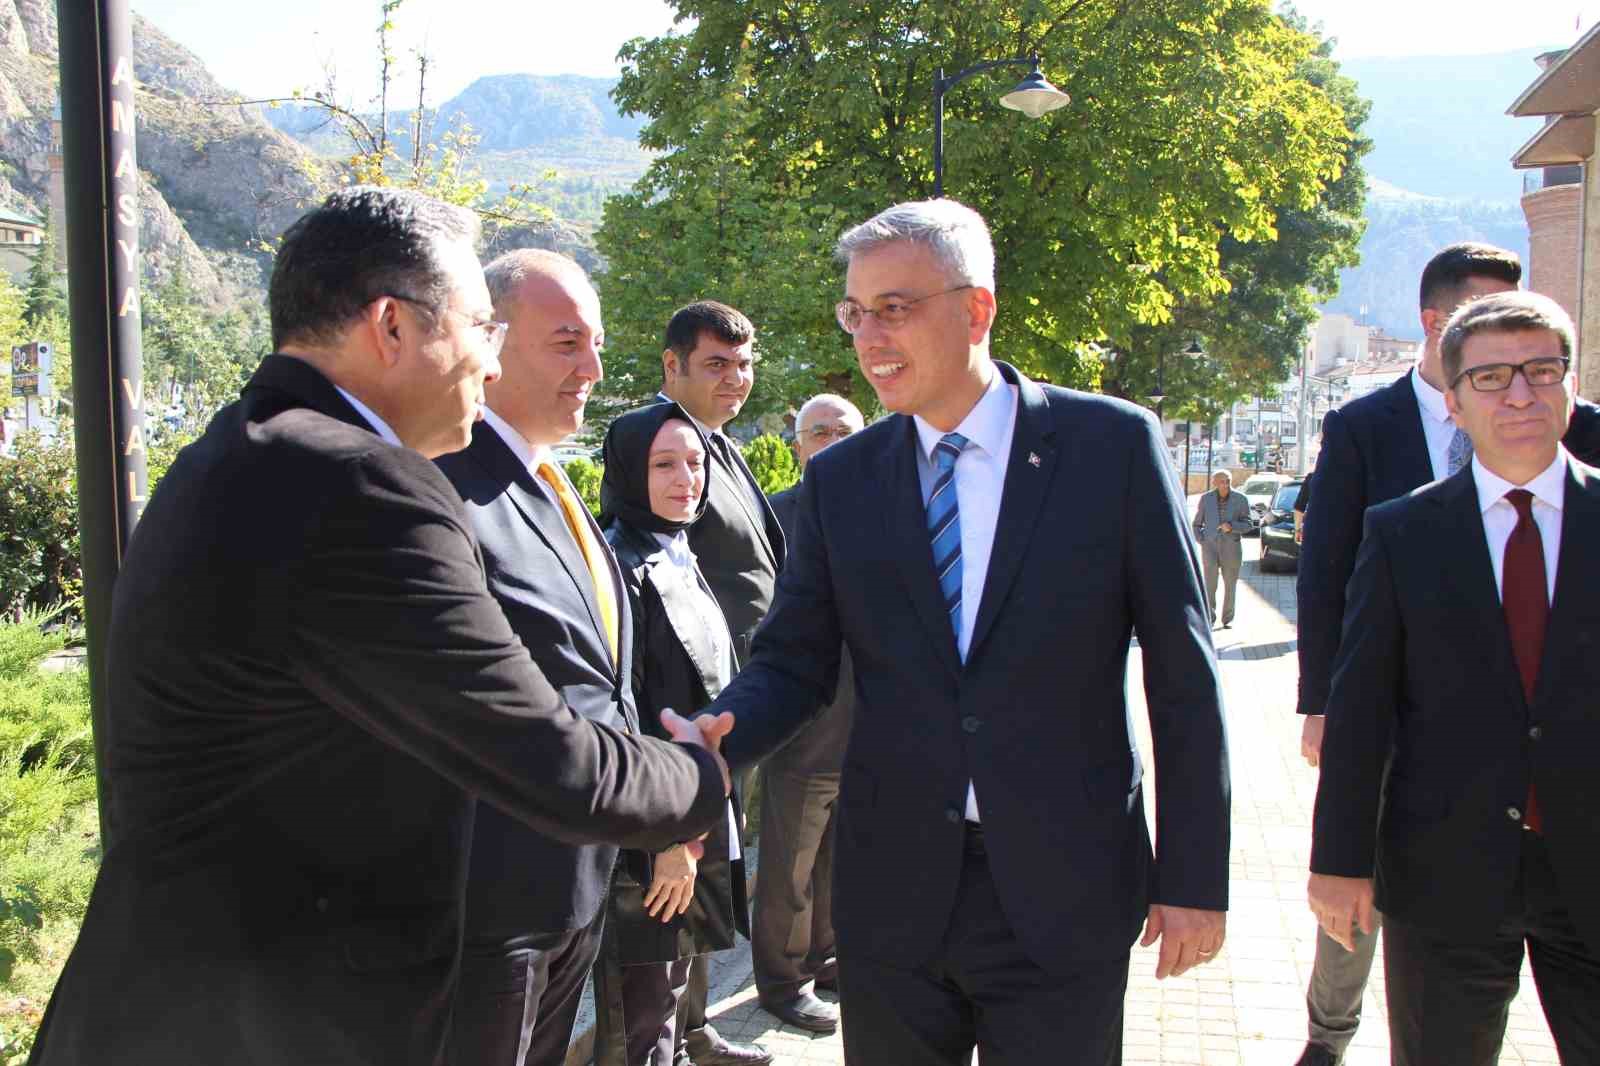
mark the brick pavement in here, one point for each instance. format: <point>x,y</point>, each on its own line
<point>1248,1006</point>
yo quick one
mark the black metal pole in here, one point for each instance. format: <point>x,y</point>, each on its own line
<point>97,127</point>
<point>938,133</point>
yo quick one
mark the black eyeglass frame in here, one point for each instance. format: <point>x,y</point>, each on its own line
<point>847,309</point>
<point>1472,373</point>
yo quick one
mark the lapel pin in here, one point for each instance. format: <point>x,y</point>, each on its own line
<point>1033,458</point>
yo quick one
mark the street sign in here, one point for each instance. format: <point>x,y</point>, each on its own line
<point>30,369</point>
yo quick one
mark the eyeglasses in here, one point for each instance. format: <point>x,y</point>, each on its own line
<point>494,333</point>
<point>824,432</point>
<point>1496,377</point>
<point>890,313</point>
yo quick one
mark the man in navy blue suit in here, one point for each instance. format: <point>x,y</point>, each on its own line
<point>991,762</point>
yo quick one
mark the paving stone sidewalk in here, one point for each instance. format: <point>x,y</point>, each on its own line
<point>1248,1006</point>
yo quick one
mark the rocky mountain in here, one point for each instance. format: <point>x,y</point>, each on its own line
<point>215,181</point>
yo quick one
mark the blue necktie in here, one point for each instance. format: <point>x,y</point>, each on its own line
<point>944,526</point>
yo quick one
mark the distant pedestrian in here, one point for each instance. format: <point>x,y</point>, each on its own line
<point>1219,522</point>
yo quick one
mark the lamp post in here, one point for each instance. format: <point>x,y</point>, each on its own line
<point>1033,96</point>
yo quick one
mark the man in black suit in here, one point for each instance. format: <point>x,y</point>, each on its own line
<point>534,903</point>
<point>1374,449</point>
<point>1458,792</point>
<point>792,942</point>
<point>309,682</point>
<point>993,863</point>
<point>708,368</point>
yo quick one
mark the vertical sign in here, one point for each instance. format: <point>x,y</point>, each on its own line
<point>97,82</point>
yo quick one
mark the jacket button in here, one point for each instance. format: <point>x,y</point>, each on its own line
<point>322,905</point>
<point>1534,733</point>
<point>972,723</point>
<point>952,815</point>
<point>1514,814</point>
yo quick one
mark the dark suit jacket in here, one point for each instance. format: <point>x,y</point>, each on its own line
<point>308,680</point>
<point>1373,449</point>
<point>673,668</point>
<point>740,550</point>
<point>520,881</point>
<point>819,747</point>
<point>1036,717</point>
<point>1426,682</point>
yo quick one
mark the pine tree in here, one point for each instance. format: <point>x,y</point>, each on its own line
<point>44,296</point>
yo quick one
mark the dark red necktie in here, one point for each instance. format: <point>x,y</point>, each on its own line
<point>1527,607</point>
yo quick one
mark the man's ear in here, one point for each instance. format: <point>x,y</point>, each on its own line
<point>1433,321</point>
<point>981,308</point>
<point>1450,403</point>
<point>382,324</point>
<point>669,363</point>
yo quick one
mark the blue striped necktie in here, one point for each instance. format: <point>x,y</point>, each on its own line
<point>944,526</point>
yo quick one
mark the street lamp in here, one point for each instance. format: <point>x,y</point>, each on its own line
<point>1033,96</point>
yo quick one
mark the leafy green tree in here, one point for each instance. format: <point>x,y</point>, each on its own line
<point>1193,123</point>
<point>585,478</point>
<point>772,462</point>
<point>39,551</point>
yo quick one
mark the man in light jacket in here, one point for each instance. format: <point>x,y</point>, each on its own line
<point>1219,521</point>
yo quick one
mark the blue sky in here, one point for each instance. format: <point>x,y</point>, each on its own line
<point>288,43</point>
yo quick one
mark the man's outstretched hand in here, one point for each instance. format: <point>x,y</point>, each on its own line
<point>706,732</point>
<point>1189,937</point>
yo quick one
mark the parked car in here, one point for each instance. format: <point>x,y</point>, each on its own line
<point>1259,489</point>
<point>1279,550</point>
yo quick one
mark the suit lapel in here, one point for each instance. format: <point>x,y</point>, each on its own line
<point>545,517</point>
<point>686,622</point>
<point>907,521</point>
<point>1577,576</point>
<point>1407,444</point>
<point>1029,471</point>
<point>1468,558</point>
<point>736,478</point>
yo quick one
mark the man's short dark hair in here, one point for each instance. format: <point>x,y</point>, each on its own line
<point>725,323</point>
<point>1449,271</point>
<point>362,243</point>
<point>1505,312</point>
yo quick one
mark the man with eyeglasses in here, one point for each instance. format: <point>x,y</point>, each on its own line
<point>535,901</point>
<point>311,689</point>
<point>792,944</point>
<point>1377,448</point>
<point>993,865</point>
<point>1458,792</point>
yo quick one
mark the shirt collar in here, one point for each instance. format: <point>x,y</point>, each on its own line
<point>1549,487</point>
<point>526,454</point>
<point>1430,399</point>
<point>676,548</point>
<point>985,425</point>
<point>378,425</point>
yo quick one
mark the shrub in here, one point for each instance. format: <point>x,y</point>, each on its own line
<point>772,462</point>
<point>39,553</point>
<point>585,477</point>
<point>49,824</point>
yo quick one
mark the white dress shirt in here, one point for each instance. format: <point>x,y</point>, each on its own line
<point>1438,428</point>
<point>980,479</point>
<point>1500,517</point>
<point>373,420</point>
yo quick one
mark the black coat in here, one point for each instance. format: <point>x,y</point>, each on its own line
<point>1373,450</point>
<point>672,668</point>
<point>1431,742</point>
<point>523,882</point>
<point>1036,717</point>
<point>307,682</point>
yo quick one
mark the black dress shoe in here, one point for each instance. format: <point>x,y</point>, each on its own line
<point>807,1012</point>
<point>727,1053</point>
<point>1317,1055</point>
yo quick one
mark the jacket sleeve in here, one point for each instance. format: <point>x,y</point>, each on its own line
<point>1183,690</point>
<point>392,624</point>
<point>1361,712</point>
<point>1332,532</point>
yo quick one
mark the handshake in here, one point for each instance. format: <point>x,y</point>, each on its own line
<point>706,732</point>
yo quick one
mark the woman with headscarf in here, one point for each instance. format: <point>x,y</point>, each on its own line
<point>667,907</point>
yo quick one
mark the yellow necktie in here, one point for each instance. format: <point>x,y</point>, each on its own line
<point>593,554</point>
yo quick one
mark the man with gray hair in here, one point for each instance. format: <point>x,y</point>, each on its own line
<point>1220,519</point>
<point>535,901</point>
<point>1458,793</point>
<point>791,930</point>
<point>993,864</point>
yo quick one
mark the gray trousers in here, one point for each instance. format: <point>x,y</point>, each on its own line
<point>792,925</point>
<point>1224,556</point>
<point>1338,981</point>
